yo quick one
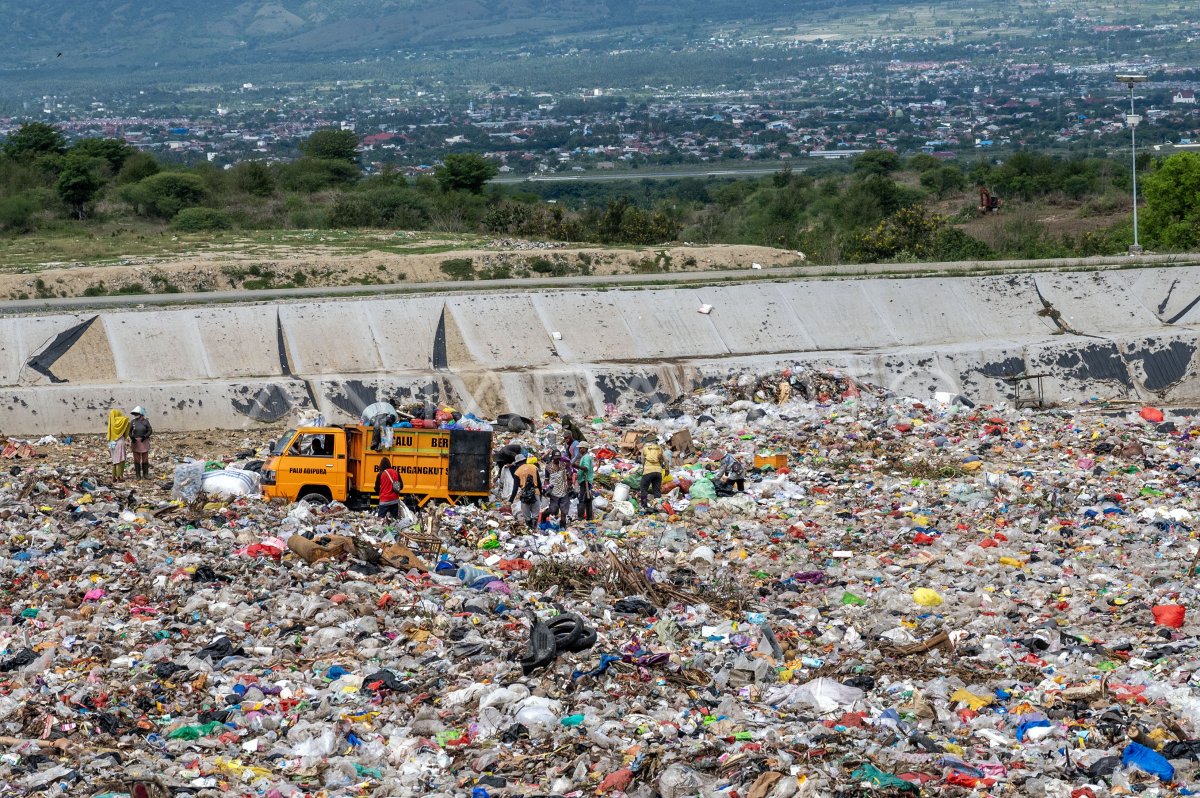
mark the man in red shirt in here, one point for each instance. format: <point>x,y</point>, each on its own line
<point>390,485</point>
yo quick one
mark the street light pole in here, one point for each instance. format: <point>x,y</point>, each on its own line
<point>1132,120</point>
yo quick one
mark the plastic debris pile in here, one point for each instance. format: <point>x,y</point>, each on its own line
<point>909,597</point>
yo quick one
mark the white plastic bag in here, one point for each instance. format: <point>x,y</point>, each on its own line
<point>189,481</point>
<point>231,483</point>
<point>405,518</point>
<point>826,695</point>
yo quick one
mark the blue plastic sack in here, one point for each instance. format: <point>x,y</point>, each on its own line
<point>1148,760</point>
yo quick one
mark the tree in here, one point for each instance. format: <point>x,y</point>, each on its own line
<point>165,194</point>
<point>34,139</point>
<point>980,173</point>
<point>113,151</point>
<point>465,172</point>
<point>877,162</point>
<point>943,180</point>
<point>922,162</point>
<point>136,167</point>
<point>331,144</point>
<point>608,226</point>
<point>308,175</point>
<point>1172,193</point>
<point>78,182</point>
<point>910,232</point>
<point>254,178</point>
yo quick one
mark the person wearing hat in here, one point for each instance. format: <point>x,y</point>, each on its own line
<point>118,442</point>
<point>571,428</point>
<point>585,473</point>
<point>140,432</point>
<point>732,475</point>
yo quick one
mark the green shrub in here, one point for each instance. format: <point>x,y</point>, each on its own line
<point>308,175</point>
<point>163,284</point>
<point>542,265</point>
<point>501,272</point>
<point>199,220</point>
<point>354,210</point>
<point>459,268</point>
<point>309,218</point>
<point>253,178</point>
<point>16,214</point>
<point>950,243</point>
<point>165,194</point>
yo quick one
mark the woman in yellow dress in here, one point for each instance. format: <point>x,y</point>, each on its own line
<point>118,442</point>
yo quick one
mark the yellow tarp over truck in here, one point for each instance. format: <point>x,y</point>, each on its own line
<point>339,464</point>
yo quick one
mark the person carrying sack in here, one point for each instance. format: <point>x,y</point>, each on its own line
<point>388,485</point>
<point>528,488</point>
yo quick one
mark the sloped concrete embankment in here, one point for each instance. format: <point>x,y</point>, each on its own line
<point>1125,334</point>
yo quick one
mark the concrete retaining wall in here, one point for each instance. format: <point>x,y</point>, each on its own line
<point>1130,334</point>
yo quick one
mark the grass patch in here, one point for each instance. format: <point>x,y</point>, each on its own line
<point>501,272</point>
<point>548,267</point>
<point>659,264</point>
<point>459,268</point>
<point>162,284</point>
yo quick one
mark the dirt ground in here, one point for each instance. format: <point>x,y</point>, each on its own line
<point>1059,219</point>
<point>315,265</point>
<point>1058,223</point>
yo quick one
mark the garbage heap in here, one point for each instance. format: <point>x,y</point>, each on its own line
<point>909,597</point>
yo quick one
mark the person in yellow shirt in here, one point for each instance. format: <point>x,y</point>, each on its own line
<point>654,461</point>
<point>528,488</point>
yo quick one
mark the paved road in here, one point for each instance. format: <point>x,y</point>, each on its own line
<point>592,175</point>
<point>71,304</point>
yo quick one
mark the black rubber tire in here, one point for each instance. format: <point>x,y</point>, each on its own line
<point>586,641</point>
<point>542,649</point>
<point>314,498</point>
<point>568,629</point>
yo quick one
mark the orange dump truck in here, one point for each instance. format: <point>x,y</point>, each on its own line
<point>341,463</point>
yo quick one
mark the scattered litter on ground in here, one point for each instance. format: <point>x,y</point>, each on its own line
<point>909,596</point>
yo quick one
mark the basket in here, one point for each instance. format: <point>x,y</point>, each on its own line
<point>425,538</point>
<point>777,461</point>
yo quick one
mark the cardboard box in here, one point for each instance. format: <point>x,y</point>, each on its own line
<point>777,461</point>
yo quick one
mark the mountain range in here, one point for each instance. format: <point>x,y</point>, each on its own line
<point>177,33</point>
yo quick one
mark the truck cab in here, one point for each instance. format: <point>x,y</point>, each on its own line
<point>308,463</point>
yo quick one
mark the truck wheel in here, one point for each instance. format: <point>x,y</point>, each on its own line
<point>314,498</point>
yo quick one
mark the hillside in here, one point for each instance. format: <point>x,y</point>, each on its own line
<point>173,33</point>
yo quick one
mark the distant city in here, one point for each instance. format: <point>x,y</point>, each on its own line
<point>951,99</point>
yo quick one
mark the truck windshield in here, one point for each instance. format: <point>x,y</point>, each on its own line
<point>283,441</point>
